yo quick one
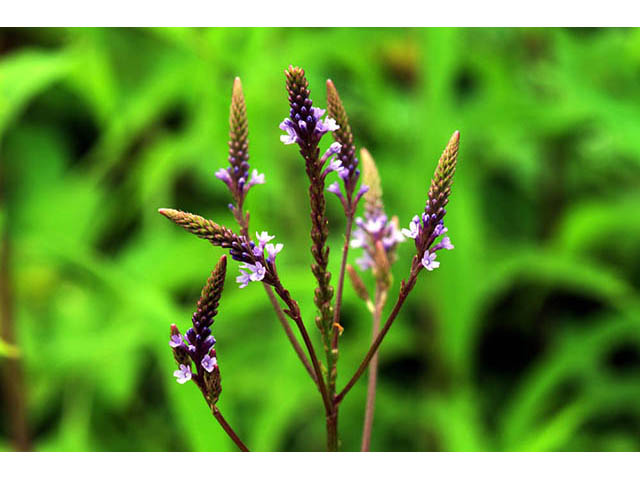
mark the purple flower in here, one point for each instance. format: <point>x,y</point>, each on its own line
<point>365,262</point>
<point>375,227</point>
<point>334,166</point>
<point>326,125</point>
<point>223,174</point>
<point>363,189</point>
<point>317,112</point>
<point>264,237</point>
<point>334,188</point>
<point>333,149</point>
<point>429,261</point>
<point>291,136</point>
<point>243,279</point>
<point>208,363</point>
<point>183,375</point>
<point>256,179</point>
<point>273,250</point>
<point>299,132</point>
<point>444,243</point>
<point>440,229</point>
<point>414,228</point>
<point>176,341</point>
<point>253,273</point>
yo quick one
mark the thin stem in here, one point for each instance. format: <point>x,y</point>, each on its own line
<point>243,221</point>
<point>332,430</point>
<point>294,313</point>
<point>405,289</point>
<point>338,303</point>
<point>373,372</point>
<point>13,381</point>
<point>289,332</point>
<point>227,428</point>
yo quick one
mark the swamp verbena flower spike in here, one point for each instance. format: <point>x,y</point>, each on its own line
<point>347,155</point>
<point>305,127</point>
<point>425,229</point>
<point>256,266</point>
<point>194,352</point>
<point>236,175</point>
<point>376,229</point>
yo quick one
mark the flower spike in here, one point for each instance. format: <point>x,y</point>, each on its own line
<point>345,137</point>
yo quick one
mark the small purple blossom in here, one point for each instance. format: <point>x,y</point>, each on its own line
<point>440,229</point>
<point>429,261</point>
<point>176,341</point>
<point>363,189</point>
<point>263,238</point>
<point>183,375</point>
<point>334,166</point>
<point>297,130</point>
<point>209,363</point>
<point>326,125</point>
<point>256,179</point>
<point>223,174</point>
<point>365,262</point>
<point>291,136</point>
<point>253,273</point>
<point>414,228</point>
<point>273,250</point>
<point>445,243</point>
<point>375,227</point>
<point>335,188</point>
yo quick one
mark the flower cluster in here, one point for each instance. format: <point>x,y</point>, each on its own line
<point>347,156</point>
<point>306,123</point>
<point>375,228</point>
<point>425,229</point>
<point>415,231</point>
<point>255,272</point>
<point>195,348</point>
<point>236,175</point>
<point>371,230</point>
<point>255,266</point>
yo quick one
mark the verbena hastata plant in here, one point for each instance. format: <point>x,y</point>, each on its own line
<point>375,234</point>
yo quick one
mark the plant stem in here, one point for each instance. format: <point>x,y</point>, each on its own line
<point>332,430</point>
<point>244,228</point>
<point>289,332</point>
<point>380,299</point>
<point>13,382</point>
<point>294,313</point>
<point>338,303</point>
<point>227,428</point>
<point>405,289</point>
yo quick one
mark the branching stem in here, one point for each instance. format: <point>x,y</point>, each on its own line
<point>405,289</point>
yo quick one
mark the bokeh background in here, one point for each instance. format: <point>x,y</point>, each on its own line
<point>526,338</point>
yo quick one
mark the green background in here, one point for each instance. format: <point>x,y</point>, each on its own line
<point>526,338</point>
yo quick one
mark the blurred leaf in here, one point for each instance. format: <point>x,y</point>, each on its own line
<point>24,75</point>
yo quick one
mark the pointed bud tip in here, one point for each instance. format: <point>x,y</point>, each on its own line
<point>167,212</point>
<point>456,136</point>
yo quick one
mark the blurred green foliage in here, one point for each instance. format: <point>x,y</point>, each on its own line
<point>526,338</point>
